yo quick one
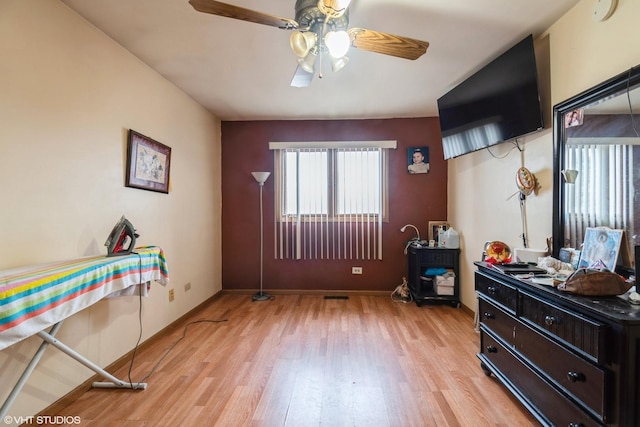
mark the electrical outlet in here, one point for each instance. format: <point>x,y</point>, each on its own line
<point>356,270</point>
<point>187,287</point>
<point>172,295</point>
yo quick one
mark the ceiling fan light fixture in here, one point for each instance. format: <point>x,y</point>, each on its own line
<point>338,64</point>
<point>337,42</point>
<point>313,20</point>
<point>333,8</point>
<point>302,42</point>
<point>308,62</point>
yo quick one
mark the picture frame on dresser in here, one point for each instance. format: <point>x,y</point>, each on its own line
<point>601,244</point>
<point>434,226</point>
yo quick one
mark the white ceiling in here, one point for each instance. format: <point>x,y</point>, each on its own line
<point>242,71</point>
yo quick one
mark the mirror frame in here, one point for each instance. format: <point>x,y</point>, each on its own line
<point>608,88</point>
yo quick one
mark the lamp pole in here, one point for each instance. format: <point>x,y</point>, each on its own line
<point>261,177</point>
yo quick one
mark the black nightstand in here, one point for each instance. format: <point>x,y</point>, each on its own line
<point>424,288</point>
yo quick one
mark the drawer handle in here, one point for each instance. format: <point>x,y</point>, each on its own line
<point>492,349</point>
<point>575,376</point>
<point>492,290</point>
<point>549,320</point>
<point>488,315</point>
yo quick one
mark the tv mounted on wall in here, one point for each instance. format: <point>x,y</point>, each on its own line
<point>498,103</point>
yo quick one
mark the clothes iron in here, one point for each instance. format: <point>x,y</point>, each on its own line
<point>122,238</point>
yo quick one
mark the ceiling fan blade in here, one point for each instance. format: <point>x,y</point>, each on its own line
<point>236,12</point>
<point>301,78</point>
<point>387,44</point>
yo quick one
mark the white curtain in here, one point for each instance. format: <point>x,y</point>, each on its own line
<point>602,195</point>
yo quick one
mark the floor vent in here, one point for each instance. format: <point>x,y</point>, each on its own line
<point>336,297</point>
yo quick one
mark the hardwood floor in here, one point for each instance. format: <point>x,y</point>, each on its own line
<point>302,360</point>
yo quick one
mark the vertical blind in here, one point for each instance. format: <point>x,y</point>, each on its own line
<point>605,204</point>
<point>330,199</point>
<point>478,137</point>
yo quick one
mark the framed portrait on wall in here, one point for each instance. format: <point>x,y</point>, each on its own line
<point>148,163</point>
<point>417,160</point>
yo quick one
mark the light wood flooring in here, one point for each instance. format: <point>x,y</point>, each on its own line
<point>302,360</point>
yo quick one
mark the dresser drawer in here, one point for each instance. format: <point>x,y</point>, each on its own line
<point>581,333</point>
<point>497,320</point>
<point>582,379</point>
<point>529,386</point>
<point>437,257</point>
<point>503,294</point>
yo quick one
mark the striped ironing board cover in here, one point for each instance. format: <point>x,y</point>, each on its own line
<point>37,297</point>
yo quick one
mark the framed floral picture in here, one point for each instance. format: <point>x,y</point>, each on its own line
<point>148,163</point>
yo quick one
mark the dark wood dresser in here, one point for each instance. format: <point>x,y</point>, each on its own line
<point>571,360</point>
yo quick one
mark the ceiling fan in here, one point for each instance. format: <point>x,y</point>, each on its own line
<point>321,28</point>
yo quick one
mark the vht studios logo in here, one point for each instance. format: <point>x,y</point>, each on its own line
<point>43,419</point>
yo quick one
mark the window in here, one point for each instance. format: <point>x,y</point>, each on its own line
<point>313,177</point>
<point>330,199</point>
<point>602,205</point>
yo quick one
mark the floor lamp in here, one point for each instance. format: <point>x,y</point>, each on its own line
<point>261,177</point>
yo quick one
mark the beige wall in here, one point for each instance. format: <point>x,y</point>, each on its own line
<point>68,95</point>
<point>582,53</point>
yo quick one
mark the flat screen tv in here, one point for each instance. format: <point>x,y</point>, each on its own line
<point>498,103</point>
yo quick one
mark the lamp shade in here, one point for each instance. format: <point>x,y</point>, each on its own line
<point>338,64</point>
<point>570,176</point>
<point>308,62</point>
<point>333,8</point>
<point>301,43</point>
<point>337,42</point>
<point>261,177</point>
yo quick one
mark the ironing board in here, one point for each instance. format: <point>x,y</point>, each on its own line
<point>35,298</point>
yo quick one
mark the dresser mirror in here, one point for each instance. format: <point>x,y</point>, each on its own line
<point>596,138</point>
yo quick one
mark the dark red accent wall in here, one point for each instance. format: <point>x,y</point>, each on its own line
<point>414,199</point>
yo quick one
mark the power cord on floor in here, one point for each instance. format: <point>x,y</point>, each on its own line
<point>402,293</point>
<point>184,334</point>
<point>135,349</point>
